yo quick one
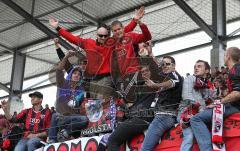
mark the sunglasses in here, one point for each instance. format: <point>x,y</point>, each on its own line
<point>101,36</point>
<point>167,64</point>
<point>83,63</point>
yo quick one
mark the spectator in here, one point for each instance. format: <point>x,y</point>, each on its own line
<point>10,135</point>
<point>224,91</point>
<point>196,90</point>
<point>53,110</point>
<point>14,113</point>
<point>70,95</point>
<point>68,66</point>
<point>36,119</point>
<point>47,106</point>
<point>125,63</point>
<point>166,104</point>
<point>200,121</point>
<point>137,123</point>
<point>223,70</point>
<point>5,143</point>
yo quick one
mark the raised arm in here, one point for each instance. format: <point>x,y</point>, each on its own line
<point>133,23</point>
<point>20,118</point>
<point>5,107</point>
<point>65,34</point>
<point>144,37</point>
<point>59,69</point>
<point>68,66</point>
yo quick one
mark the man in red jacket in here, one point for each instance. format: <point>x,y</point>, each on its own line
<point>124,53</point>
<point>98,54</point>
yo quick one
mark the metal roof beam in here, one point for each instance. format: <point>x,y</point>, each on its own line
<point>87,16</point>
<point>33,7</point>
<point>234,32</point>
<point>195,17</point>
<point>43,14</point>
<point>186,49</point>
<point>37,23</point>
<point>12,51</point>
<point>4,87</point>
<point>39,59</point>
<point>31,89</point>
<point>132,9</point>
<point>7,48</point>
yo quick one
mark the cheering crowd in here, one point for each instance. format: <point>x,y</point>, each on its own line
<point>119,64</point>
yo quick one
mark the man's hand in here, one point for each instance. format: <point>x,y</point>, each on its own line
<point>56,42</point>
<point>139,13</point>
<point>71,53</point>
<point>150,83</point>
<point>53,22</point>
<point>5,105</point>
<point>30,136</point>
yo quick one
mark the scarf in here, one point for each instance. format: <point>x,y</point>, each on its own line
<point>217,127</point>
<point>201,83</point>
<point>188,112</point>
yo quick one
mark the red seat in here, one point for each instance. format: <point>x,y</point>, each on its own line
<point>172,139</point>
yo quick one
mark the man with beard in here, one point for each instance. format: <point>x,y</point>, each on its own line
<point>231,102</point>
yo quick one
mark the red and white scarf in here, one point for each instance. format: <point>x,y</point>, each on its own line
<point>217,127</point>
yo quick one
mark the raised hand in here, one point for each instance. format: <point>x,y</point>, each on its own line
<point>71,53</point>
<point>53,22</point>
<point>139,13</point>
<point>56,40</point>
<point>5,105</point>
<point>56,43</point>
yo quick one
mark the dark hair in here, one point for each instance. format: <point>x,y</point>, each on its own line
<point>171,58</point>
<point>234,53</point>
<point>104,26</point>
<point>206,64</point>
<point>116,22</point>
<point>77,69</point>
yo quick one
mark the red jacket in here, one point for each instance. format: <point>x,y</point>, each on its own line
<point>126,56</point>
<point>98,55</point>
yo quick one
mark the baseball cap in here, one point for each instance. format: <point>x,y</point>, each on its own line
<point>36,94</point>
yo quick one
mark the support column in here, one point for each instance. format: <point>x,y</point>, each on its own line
<point>219,27</point>
<point>16,85</point>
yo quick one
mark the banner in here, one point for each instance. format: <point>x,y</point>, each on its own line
<point>81,144</point>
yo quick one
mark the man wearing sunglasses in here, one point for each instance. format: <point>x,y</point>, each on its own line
<point>165,105</point>
<point>98,55</point>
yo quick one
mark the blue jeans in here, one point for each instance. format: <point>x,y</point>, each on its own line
<point>159,125</point>
<point>70,123</point>
<point>199,124</point>
<point>187,142</point>
<point>28,144</point>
